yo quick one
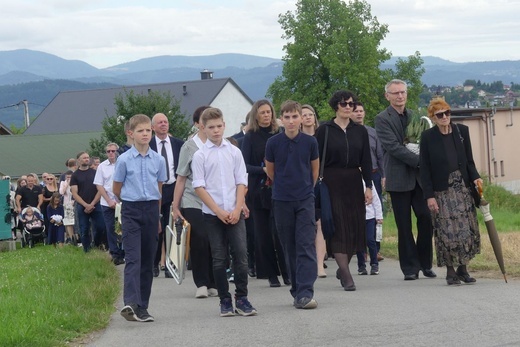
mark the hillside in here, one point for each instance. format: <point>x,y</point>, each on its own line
<point>38,76</point>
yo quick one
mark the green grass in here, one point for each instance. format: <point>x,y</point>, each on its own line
<point>51,296</point>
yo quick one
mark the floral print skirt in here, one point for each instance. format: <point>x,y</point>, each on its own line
<point>455,227</point>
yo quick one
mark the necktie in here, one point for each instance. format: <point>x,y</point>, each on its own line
<point>163,153</point>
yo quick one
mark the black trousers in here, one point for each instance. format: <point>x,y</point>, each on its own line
<point>200,251</point>
<point>413,256</point>
<point>269,256</point>
<point>166,204</point>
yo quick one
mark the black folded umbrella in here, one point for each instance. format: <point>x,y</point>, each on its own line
<point>492,231</point>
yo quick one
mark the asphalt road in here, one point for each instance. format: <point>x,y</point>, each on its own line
<point>384,311</point>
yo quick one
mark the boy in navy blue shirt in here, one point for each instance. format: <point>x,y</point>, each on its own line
<point>138,178</point>
<point>292,162</point>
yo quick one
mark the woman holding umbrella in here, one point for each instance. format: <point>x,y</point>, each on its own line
<point>447,175</point>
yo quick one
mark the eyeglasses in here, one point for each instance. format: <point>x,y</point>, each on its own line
<point>398,93</point>
<point>308,115</point>
<point>440,115</point>
<point>111,150</point>
<point>345,104</point>
<point>49,178</point>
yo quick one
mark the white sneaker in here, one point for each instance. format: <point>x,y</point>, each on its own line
<point>212,292</point>
<point>202,292</point>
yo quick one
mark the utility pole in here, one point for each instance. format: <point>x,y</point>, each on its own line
<point>26,113</point>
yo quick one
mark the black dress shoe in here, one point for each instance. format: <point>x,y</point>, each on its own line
<point>286,281</point>
<point>167,274</point>
<point>429,273</point>
<point>453,280</point>
<point>155,271</point>
<point>274,282</point>
<point>465,277</point>
<point>251,272</point>
<point>411,277</point>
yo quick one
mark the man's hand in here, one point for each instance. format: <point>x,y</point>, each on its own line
<point>176,214</point>
<point>223,216</point>
<point>234,216</point>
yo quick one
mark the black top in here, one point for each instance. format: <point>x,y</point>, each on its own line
<point>346,149</point>
<point>253,150</point>
<point>84,179</point>
<point>451,152</point>
<point>29,197</point>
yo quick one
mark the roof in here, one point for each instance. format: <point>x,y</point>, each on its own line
<point>75,111</point>
<point>22,154</point>
<point>4,130</point>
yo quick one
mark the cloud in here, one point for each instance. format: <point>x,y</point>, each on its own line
<point>105,33</point>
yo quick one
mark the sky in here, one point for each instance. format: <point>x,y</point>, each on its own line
<point>107,33</point>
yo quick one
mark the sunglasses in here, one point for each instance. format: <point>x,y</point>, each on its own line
<point>111,150</point>
<point>345,104</point>
<point>440,115</point>
<point>49,178</point>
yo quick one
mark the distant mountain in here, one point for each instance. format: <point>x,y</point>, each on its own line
<point>211,62</point>
<point>44,64</point>
<point>38,76</point>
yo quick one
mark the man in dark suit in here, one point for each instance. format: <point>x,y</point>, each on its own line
<point>169,147</point>
<point>402,182</point>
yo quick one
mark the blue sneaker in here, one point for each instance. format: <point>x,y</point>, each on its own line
<point>226,307</point>
<point>244,307</point>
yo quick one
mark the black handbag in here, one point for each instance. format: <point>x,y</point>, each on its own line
<point>322,196</point>
<point>266,194</point>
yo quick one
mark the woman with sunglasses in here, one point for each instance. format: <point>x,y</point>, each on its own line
<point>447,175</point>
<point>347,164</point>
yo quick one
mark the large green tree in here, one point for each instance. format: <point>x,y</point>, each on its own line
<point>332,45</point>
<point>131,103</point>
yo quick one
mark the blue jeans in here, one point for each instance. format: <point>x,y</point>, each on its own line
<point>115,248</point>
<point>296,226</point>
<point>371,243</point>
<point>98,231</point>
<point>220,236</point>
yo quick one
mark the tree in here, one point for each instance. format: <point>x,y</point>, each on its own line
<point>130,104</point>
<point>336,45</point>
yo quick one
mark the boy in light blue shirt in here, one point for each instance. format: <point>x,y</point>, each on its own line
<point>138,178</point>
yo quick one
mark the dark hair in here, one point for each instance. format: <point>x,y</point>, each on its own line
<point>198,112</point>
<point>341,95</point>
<point>80,154</point>
<point>69,172</point>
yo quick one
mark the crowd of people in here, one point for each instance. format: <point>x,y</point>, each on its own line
<point>250,198</point>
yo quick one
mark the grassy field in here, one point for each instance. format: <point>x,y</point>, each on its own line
<point>51,296</point>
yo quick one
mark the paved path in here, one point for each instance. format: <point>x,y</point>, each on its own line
<point>384,311</point>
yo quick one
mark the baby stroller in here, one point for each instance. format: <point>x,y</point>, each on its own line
<point>34,229</point>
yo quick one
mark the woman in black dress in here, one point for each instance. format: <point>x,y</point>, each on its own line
<point>269,257</point>
<point>447,173</point>
<point>347,163</point>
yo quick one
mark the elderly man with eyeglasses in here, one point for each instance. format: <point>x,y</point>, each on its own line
<point>402,182</point>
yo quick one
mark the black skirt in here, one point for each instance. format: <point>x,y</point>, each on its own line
<point>348,209</point>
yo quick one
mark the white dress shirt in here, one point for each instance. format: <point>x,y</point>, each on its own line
<point>104,177</point>
<point>169,154</point>
<point>219,169</point>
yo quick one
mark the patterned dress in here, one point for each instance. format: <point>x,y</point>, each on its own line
<point>455,227</point>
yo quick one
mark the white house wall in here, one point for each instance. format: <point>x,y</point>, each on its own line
<point>234,106</point>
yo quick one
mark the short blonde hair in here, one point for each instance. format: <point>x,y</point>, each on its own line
<point>138,119</point>
<point>209,114</point>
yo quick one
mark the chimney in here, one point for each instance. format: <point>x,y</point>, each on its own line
<point>184,90</point>
<point>206,75</point>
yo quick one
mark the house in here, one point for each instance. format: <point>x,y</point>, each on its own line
<point>68,123</point>
<point>495,133</point>
<point>83,111</point>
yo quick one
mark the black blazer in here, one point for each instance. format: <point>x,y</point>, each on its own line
<point>433,162</point>
<point>176,149</point>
